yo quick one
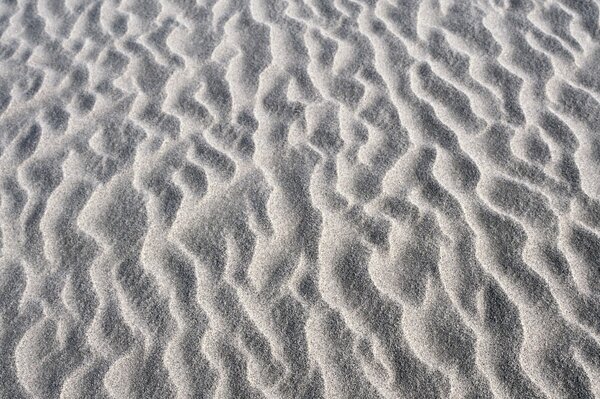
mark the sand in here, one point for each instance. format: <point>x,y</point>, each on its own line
<point>299,199</point>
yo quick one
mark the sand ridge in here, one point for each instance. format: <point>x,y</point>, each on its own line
<point>299,199</point>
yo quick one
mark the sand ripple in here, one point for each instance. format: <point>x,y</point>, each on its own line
<point>299,199</point>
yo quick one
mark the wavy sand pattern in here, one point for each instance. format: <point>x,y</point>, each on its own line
<point>299,199</point>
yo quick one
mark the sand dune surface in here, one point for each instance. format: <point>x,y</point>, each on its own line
<point>299,199</point>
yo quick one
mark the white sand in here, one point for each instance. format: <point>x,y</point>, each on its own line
<point>299,199</point>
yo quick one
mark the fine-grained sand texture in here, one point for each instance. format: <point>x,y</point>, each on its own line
<point>299,199</point>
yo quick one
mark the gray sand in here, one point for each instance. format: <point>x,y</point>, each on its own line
<point>299,199</point>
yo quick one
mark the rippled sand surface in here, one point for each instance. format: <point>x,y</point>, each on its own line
<point>299,199</point>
